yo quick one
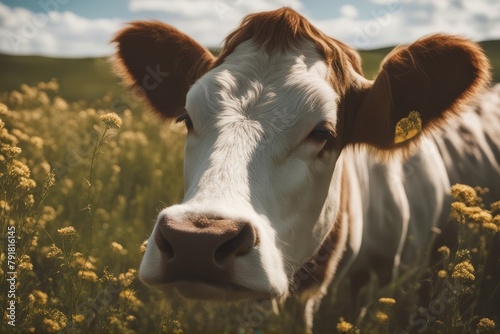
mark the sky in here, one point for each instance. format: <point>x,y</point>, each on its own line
<point>83,28</point>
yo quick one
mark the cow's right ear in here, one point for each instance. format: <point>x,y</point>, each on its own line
<point>161,63</point>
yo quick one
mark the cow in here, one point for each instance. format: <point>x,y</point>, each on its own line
<point>292,158</point>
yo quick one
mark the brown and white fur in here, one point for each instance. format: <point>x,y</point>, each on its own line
<point>280,172</point>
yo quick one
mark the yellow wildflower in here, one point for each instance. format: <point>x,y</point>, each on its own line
<point>37,142</point>
<point>80,262</point>
<point>114,321</point>
<point>495,207</point>
<point>54,252</point>
<point>387,301</point>
<point>3,109</point>
<point>381,317</point>
<point>40,297</point>
<point>117,248</point>
<point>344,326</point>
<point>482,217</point>
<point>496,220</point>
<point>4,205</point>
<point>20,169</point>
<point>111,120</point>
<point>25,263</point>
<point>49,213</point>
<point>142,248</point>
<point>460,209</point>
<point>16,97</point>
<point>108,276</point>
<point>20,135</point>
<point>55,321</point>
<point>67,232</point>
<point>463,254</point>
<point>485,325</point>
<point>29,200</point>
<point>88,275</point>
<point>466,194</point>
<point>51,326</point>
<point>50,180</point>
<point>60,104</point>
<point>10,151</point>
<point>25,183</point>
<point>127,278</point>
<point>116,169</point>
<point>78,318</point>
<point>464,271</point>
<point>129,297</point>
<point>445,251</point>
<point>490,227</point>
<point>70,230</point>
<point>52,85</point>
<point>442,274</point>
<point>6,137</point>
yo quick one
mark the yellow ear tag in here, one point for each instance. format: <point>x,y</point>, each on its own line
<point>408,127</point>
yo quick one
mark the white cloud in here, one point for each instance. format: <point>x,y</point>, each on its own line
<point>208,21</point>
<point>381,2</point>
<point>396,22</point>
<point>368,25</point>
<point>54,33</point>
<point>185,9</point>
<point>190,9</point>
<point>349,11</point>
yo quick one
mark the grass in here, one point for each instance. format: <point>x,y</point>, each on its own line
<point>82,190</point>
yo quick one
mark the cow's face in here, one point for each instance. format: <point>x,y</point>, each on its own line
<point>266,125</point>
<point>259,153</point>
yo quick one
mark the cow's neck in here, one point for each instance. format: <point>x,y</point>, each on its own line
<point>318,272</point>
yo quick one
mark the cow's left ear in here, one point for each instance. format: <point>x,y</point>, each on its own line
<point>433,77</point>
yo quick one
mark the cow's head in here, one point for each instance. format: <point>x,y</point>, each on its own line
<point>267,121</point>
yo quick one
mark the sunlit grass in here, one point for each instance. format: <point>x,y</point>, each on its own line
<point>83,182</point>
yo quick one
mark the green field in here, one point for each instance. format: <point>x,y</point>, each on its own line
<point>91,78</point>
<point>83,194</point>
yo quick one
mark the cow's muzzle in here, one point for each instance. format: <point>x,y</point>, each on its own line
<point>198,254</point>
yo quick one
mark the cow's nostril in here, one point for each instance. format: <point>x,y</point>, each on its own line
<point>239,245</point>
<point>163,245</point>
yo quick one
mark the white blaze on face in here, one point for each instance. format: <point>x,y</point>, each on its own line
<point>249,157</point>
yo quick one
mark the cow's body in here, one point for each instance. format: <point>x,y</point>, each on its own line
<point>290,159</point>
<point>409,198</point>
<point>394,208</point>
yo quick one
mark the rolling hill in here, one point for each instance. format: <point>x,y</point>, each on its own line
<point>91,78</point>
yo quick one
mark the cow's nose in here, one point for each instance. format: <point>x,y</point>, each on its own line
<point>202,248</point>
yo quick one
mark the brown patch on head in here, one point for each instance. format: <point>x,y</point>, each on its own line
<point>284,29</point>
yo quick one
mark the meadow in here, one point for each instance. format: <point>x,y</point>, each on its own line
<point>84,170</point>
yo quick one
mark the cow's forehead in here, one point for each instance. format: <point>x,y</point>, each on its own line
<point>288,89</point>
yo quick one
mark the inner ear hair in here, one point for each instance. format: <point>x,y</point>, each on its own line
<point>435,77</point>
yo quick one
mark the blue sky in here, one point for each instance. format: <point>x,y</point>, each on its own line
<point>77,28</point>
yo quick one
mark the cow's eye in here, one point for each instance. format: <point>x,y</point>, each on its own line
<point>186,120</point>
<point>321,134</point>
